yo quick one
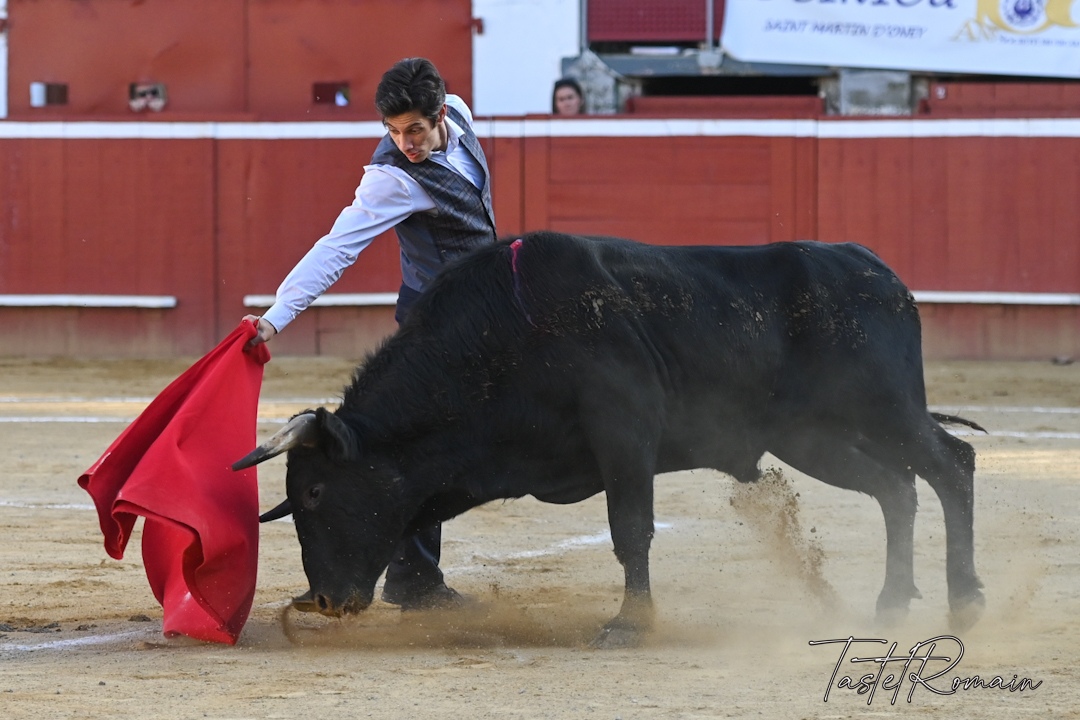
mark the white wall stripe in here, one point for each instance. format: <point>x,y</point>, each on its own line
<point>587,127</point>
<point>975,127</point>
<point>994,298</point>
<point>923,296</point>
<point>330,300</point>
<point>298,130</point>
<point>110,301</point>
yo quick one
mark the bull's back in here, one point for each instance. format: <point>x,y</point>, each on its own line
<point>829,299</point>
<point>758,332</point>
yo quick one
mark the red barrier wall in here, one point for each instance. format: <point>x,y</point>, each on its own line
<point>228,57</point>
<point>211,220</point>
<point>974,213</point>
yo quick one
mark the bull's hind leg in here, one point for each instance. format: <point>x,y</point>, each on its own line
<point>845,465</point>
<point>949,468</point>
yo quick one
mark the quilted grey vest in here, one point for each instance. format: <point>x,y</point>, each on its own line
<point>462,219</point>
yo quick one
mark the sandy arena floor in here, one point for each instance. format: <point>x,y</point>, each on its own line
<point>744,577</point>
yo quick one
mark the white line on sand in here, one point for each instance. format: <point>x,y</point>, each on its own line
<point>75,642</point>
<point>1043,435</point>
<point>97,419</point>
<point>15,399</point>
<point>574,543</point>
<point>36,506</point>
<point>1005,409</point>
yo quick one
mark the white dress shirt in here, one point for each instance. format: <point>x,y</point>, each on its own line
<point>386,196</point>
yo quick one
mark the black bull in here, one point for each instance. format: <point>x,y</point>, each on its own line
<point>563,366</point>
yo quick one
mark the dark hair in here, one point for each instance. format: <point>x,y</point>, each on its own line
<point>413,84</point>
<point>564,83</point>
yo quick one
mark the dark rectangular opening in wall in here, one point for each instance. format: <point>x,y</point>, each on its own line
<point>56,94</point>
<point>333,93</point>
<point>730,85</point>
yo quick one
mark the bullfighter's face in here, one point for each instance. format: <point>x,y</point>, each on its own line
<point>416,136</point>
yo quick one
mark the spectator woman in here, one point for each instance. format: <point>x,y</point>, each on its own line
<point>567,98</point>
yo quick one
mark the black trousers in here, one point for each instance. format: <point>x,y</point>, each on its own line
<point>414,569</point>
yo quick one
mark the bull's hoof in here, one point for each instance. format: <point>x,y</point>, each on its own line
<point>891,617</point>
<point>305,603</point>
<point>618,637</point>
<point>963,614</point>
<point>892,607</point>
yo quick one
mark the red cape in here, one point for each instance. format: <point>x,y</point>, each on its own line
<point>172,466</point>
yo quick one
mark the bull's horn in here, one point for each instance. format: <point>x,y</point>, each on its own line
<point>299,431</point>
<point>285,508</point>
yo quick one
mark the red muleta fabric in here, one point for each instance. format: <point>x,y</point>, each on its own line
<point>172,466</point>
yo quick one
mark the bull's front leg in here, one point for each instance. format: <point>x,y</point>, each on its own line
<point>630,516</point>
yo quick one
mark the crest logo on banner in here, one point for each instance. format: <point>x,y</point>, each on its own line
<point>1020,17</point>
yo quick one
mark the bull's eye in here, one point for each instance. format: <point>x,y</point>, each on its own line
<point>312,496</point>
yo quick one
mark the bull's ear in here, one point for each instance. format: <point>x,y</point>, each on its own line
<point>337,439</point>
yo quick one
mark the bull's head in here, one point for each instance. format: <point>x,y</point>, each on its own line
<point>346,506</point>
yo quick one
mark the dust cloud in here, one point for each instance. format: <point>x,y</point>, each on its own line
<point>770,507</point>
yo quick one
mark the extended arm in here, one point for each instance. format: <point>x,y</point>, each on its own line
<point>385,197</point>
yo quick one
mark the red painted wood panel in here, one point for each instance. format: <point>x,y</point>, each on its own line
<point>123,217</point>
<point>1009,99</point>
<point>651,20</point>
<point>1011,332</point>
<point>536,183</point>
<point>295,43</point>
<point>506,165</point>
<point>212,221</point>
<point>276,198</point>
<point>32,213</point>
<point>735,160</point>
<point>958,213</point>
<point>671,231</point>
<point>99,47</point>
<point>644,200</point>
<point>782,190</point>
<point>806,189</point>
<point>228,57</point>
<point>865,196</point>
<point>679,190</point>
<point>929,215</point>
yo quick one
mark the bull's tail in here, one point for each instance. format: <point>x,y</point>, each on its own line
<point>957,420</point>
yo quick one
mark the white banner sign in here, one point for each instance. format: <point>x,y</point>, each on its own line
<point>995,37</point>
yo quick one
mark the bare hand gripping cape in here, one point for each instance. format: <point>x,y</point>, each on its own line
<point>172,466</point>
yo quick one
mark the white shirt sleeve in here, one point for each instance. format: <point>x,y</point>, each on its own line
<point>385,197</point>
